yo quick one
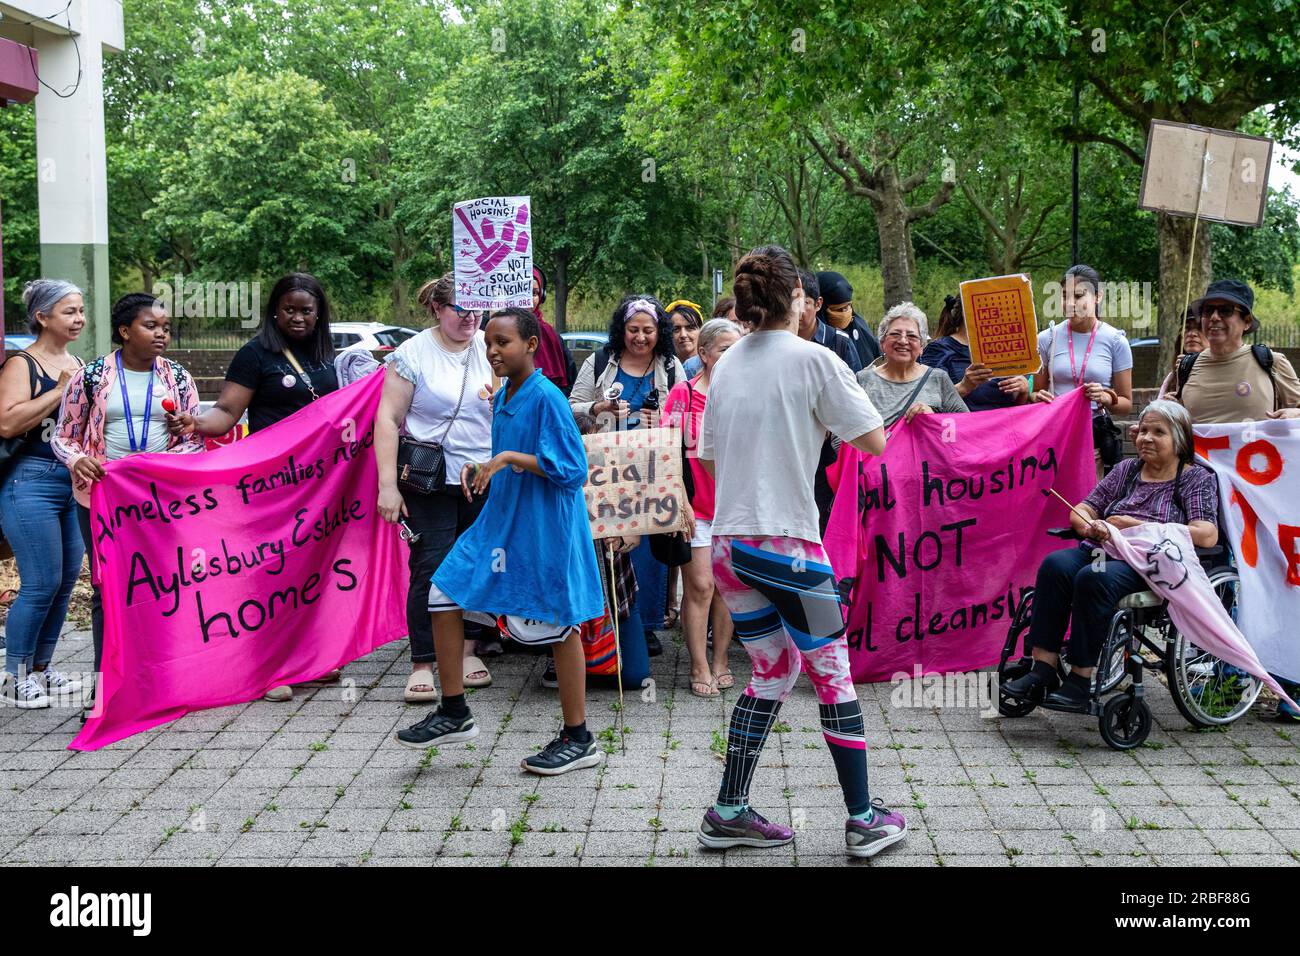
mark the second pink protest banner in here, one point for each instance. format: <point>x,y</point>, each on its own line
<point>943,534</point>
<point>259,564</point>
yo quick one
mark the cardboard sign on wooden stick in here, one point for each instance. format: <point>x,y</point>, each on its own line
<point>1213,174</point>
<point>1001,324</point>
<point>634,482</point>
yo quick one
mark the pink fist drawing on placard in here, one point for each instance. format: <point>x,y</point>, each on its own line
<point>493,250</point>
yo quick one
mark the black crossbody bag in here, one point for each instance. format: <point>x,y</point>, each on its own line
<point>422,466</point>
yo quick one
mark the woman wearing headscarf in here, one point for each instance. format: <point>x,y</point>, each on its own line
<point>553,356</point>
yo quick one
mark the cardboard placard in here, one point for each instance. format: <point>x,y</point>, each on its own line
<point>492,239</point>
<point>1001,323</point>
<point>634,482</point>
<point>1217,174</point>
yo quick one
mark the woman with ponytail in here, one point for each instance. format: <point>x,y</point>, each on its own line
<point>772,399</point>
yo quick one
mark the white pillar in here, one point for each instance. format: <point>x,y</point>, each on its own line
<point>71,170</point>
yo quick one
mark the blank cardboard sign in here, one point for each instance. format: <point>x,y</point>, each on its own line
<point>1233,186</point>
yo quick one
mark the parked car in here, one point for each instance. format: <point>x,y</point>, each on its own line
<point>17,341</point>
<point>582,344</point>
<point>370,336</point>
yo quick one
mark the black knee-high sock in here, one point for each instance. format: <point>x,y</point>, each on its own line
<point>751,722</point>
<point>846,736</point>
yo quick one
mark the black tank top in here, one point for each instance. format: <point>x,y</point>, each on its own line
<point>36,444</point>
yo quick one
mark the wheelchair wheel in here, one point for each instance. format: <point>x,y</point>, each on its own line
<point>1110,666</point>
<point>1207,691</point>
<point>1125,722</point>
<point>1009,669</point>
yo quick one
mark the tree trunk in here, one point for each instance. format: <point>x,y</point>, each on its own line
<point>1175,236</point>
<point>559,317</point>
<point>897,262</point>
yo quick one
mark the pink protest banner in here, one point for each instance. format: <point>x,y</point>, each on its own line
<point>942,535</point>
<point>259,564</point>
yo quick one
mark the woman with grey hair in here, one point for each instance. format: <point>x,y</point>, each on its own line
<point>1162,484</point>
<point>897,383</point>
<point>37,509</point>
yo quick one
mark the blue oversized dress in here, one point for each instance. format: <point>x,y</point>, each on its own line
<point>530,551</point>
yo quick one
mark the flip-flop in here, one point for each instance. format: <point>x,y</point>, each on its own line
<point>724,681</point>
<point>708,685</point>
<point>420,679</point>
<point>473,665</point>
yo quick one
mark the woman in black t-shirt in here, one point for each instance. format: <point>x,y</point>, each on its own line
<point>286,367</point>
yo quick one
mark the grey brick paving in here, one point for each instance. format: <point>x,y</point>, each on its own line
<point>319,782</point>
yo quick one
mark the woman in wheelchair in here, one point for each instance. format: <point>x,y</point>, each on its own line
<point>1081,586</point>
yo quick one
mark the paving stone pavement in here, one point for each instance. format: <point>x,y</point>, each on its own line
<point>319,781</point>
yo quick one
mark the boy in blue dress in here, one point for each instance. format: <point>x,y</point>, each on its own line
<point>528,558</point>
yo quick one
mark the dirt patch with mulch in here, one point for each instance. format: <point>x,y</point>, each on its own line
<point>78,605</point>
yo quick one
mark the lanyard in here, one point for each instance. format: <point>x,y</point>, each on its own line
<point>1077,377</point>
<point>126,407</point>
<point>306,380</point>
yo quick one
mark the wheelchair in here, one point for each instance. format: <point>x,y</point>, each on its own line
<point>1207,691</point>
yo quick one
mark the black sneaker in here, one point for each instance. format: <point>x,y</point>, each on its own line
<point>549,678</point>
<point>653,646</point>
<point>562,755</point>
<point>437,729</point>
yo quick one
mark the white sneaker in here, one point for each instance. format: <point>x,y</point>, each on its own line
<point>57,682</point>
<point>30,694</point>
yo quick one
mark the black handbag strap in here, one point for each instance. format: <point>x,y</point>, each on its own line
<point>460,401</point>
<point>917,391</point>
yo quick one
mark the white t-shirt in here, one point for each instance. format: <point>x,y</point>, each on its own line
<point>437,375</point>
<point>117,443</point>
<point>1110,354</point>
<point>772,399</point>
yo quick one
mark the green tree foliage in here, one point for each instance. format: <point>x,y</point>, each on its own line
<point>263,183</point>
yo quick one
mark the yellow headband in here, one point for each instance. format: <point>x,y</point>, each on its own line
<point>674,304</point>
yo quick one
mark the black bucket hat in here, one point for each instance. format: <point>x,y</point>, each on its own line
<point>1234,291</point>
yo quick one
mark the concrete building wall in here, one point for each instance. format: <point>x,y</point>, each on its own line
<point>72,176</point>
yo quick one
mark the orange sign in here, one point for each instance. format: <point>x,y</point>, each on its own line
<point>1001,324</point>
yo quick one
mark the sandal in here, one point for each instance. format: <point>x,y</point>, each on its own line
<point>419,688</point>
<point>672,617</point>
<point>709,691</point>
<point>491,647</point>
<point>724,680</point>
<point>476,673</point>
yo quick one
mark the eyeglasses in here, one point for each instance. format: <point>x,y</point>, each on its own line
<point>908,337</point>
<point>1226,309</point>
<point>463,313</point>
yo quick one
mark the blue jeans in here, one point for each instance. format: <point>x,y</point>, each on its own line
<point>636,660</point>
<point>652,585</point>
<point>39,517</point>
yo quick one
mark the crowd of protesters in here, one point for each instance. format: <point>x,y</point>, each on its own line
<point>789,346</point>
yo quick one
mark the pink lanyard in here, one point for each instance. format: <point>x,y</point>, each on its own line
<point>1077,377</point>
